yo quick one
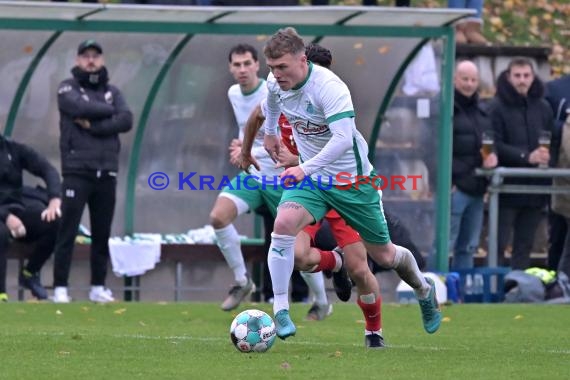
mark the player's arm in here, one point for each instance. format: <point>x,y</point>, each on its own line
<point>271,141</point>
<point>252,126</point>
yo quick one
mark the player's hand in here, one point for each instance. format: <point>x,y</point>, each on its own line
<point>272,145</point>
<point>53,210</point>
<point>83,123</point>
<point>235,153</point>
<point>245,161</point>
<point>16,227</point>
<point>292,175</point>
<point>286,159</point>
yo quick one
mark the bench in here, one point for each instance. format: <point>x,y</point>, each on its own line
<point>253,250</point>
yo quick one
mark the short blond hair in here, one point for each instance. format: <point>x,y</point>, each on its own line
<point>285,41</point>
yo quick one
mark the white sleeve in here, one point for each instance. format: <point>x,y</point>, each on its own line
<point>271,111</point>
<point>339,143</point>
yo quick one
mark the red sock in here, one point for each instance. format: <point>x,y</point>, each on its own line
<point>328,261</point>
<point>372,314</point>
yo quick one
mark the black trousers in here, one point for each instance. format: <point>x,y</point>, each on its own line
<point>522,222</point>
<point>43,234</point>
<point>99,195</point>
<point>557,237</point>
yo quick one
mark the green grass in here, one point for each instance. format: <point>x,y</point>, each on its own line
<point>191,341</point>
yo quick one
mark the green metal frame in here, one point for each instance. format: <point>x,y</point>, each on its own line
<point>192,28</point>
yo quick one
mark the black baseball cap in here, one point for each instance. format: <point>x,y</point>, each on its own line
<point>89,44</point>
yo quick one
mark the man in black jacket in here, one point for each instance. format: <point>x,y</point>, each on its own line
<point>470,121</point>
<point>558,96</point>
<point>519,113</point>
<point>92,114</point>
<point>23,219</point>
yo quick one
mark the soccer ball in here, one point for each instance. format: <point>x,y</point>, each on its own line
<point>252,331</point>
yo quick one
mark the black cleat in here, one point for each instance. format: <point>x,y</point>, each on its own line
<point>341,280</point>
<point>31,281</point>
<point>374,341</point>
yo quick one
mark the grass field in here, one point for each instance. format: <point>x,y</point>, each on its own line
<point>191,341</point>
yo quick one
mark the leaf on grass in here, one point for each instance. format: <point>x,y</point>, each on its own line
<point>120,311</point>
<point>519,316</point>
<point>285,365</point>
<point>85,309</point>
<point>142,323</point>
<point>446,319</point>
<point>58,312</point>
<point>64,353</point>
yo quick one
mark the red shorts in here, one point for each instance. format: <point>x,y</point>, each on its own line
<point>342,232</point>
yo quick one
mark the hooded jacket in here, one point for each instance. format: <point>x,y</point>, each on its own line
<point>91,97</point>
<point>517,122</point>
<point>469,122</point>
<point>14,159</point>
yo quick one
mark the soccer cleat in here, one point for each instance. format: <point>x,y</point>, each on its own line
<point>237,294</point>
<point>3,297</point>
<point>31,281</point>
<point>431,315</point>
<point>374,340</point>
<point>284,325</point>
<point>319,312</point>
<point>341,280</point>
<point>60,295</point>
<point>99,294</point>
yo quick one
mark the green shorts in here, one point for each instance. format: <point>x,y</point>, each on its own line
<point>361,208</point>
<point>254,193</point>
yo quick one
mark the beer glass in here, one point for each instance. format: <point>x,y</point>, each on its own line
<point>544,142</point>
<point>487,144</point>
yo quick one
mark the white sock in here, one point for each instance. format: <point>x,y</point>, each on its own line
<point>280,259</point>
<point>316,283</point>
<point>230,245</point>
<point>407,268</point>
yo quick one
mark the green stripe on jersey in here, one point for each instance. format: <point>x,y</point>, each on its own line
<point>339,116</point>
<point>357,157</point>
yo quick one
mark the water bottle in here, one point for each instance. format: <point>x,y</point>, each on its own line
<point>468,290</point>
<point>452,283</point>
<point>478,286</point>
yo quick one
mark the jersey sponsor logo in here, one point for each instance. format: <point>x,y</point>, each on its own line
<point>309,107</point>
<point>308,128</point>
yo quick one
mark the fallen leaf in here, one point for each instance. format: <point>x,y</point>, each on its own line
<point>58,312</point>
<point>519,316</point>
<point>120,311</point>
<point>446,319</point>
<point>286,365</point>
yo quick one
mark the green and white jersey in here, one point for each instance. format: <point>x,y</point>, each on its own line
<point>243,104</point>
<point>311,107</point>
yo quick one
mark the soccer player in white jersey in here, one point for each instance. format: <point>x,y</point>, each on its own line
<point>250,190</point>
<point>319,107</point>
<point>237,198</point>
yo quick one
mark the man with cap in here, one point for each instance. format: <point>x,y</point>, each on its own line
<point>92,114</point>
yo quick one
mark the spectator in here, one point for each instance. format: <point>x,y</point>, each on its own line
<point>519,113</point>
<point>469,30</point>
<point>92,114</point>
<point>558,95</point>
<point>22,217</point>
<point>470,122</point>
